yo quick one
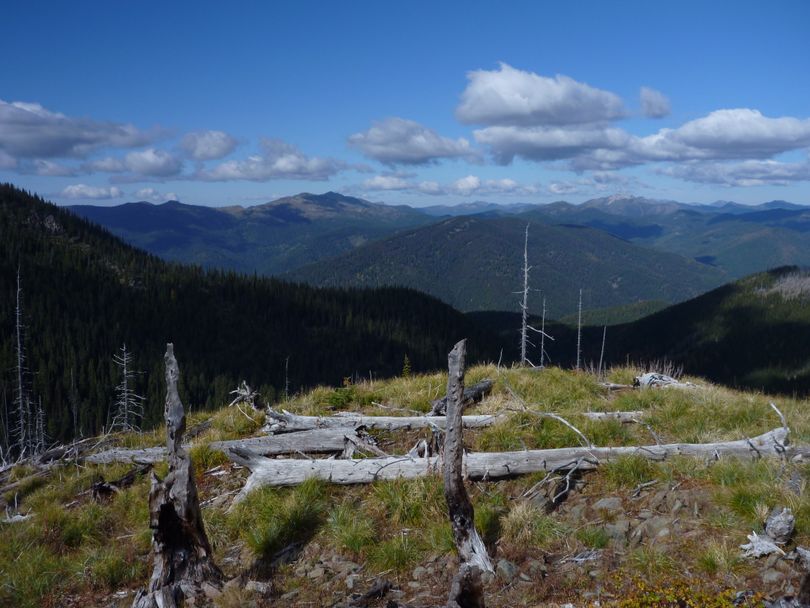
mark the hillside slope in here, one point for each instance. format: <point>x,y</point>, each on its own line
<point>753,333</point>
<point>85,293</point>
<point>475,263</point>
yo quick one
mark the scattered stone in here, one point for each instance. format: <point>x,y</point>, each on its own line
<point>609,504</point>
<point>316,572</point>
<point>779,525</point>
<point>618,530</point>
<point>259,587</point>
<point>418,573</point>
<point>506,570</point>
<point>772,576</point>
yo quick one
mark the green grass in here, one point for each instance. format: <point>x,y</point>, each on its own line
<point>398,553</point>
<point>349,529</point>
<point>270,519</point>
<point>627,472</point>
<point>593,537</point>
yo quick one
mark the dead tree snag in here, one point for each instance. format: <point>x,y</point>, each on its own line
<point>184,567</point>
<point>466,590</point>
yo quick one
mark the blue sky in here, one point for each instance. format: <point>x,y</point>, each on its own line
<point>418,102</point>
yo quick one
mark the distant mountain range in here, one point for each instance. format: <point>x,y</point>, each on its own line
<point>332,239</point>
<point>268,239</point>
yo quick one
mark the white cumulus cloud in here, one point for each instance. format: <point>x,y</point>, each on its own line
<point>29,130</point>
<point>208,145</point>
<point>512,97</point>
<point>153,163</point>
<point>399,141</point>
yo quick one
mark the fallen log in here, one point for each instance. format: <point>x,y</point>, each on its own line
<point>317,441</point>
<point>623,417</point>
<point>472,394</point>
<point>135,456</point>
<point>102,490</point>
<point>466,590</point>
<point>490,465</point>
<point>184,567</point>
<point>285,422</point>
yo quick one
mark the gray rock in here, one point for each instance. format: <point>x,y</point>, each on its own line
<point>779,525</point>
<point>418,573</point>
<point>772,576</point>
<point>506,570</point>
<point>316,572</point>
<point>618,530</point>
<point>609,504</point>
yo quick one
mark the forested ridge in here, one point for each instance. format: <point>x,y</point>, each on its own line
<point>85,293</point>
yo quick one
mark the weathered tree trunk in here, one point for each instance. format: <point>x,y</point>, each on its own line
<point>472,394</point>
<point>286,422</point>
<point>492,465</point>
<point>466,590</point>
<point>317,441</point>
<point>183,565</point>
<point>139,456</point>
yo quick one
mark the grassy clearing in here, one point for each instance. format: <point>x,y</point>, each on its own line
<point>72,546</point>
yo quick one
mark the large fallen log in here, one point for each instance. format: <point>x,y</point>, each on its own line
<point>466,590</point>
<point>184,567</point>
<point>135,456</point>
<point>285,422</point>
<point>489,465</point>
<point>317,441</point>
<point>472,394</point>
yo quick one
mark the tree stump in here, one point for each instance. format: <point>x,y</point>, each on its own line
<point>183,565</point>
<point>466,590</point>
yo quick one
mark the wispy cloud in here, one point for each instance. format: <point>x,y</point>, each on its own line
<point>83,191</point>
<point>654,103</point>
<point>463,186</point>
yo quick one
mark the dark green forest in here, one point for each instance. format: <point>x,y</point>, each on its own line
<point>85,293</point>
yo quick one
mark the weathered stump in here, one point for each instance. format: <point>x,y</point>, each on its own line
<point>183,565</point>
<point>466,590</point>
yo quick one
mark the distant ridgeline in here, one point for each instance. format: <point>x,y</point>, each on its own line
<point>85,293</point>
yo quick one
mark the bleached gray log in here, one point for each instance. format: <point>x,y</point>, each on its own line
<point>140,456</point>
<point>317,441</point>
<point>285,422</point>
<point>466,590</point>
<point>489,465</point>
<point>184,565</point>
<point>623,417</point>
<point>472,394</point>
